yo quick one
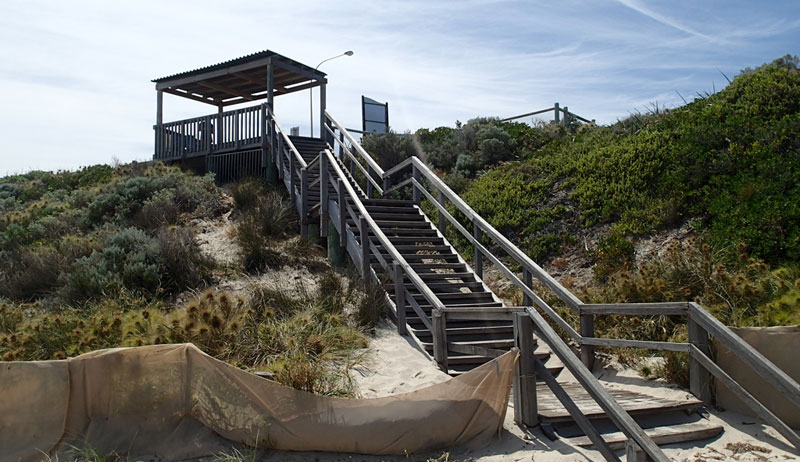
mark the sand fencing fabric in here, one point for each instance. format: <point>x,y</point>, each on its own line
<point>175,402</point>
<point>781,345</point>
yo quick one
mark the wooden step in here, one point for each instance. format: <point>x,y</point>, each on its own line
<point>432,266</point>
<point>636,403</point>
<point>395,224</point>
<point>668,434</point>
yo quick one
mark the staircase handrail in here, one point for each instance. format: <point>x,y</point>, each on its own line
<point>562,292</point>
<point>395,255</point>
<point>697,315</point>
<point>298,158</point>
<point>353,142</point>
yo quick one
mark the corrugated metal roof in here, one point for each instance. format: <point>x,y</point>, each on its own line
<point>237,61</point>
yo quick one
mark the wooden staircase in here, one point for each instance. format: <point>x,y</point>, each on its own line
<point>417,265</point>
<point>439,265</point>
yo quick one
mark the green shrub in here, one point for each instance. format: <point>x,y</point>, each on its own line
<point>389,149</point>
<point>613,253</point>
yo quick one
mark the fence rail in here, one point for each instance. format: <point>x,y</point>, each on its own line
<point>212,134</point>
<point>560,115</point>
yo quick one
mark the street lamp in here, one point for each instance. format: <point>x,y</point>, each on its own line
<point>311,90</point>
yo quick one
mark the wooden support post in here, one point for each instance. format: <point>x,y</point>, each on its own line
<point>341,146</point>
<point>342,213</point>
<point>556,113</point>
<point>400,298</point>
<point>363,229</point>
<point>387,183</point>
<point>303,202</point>
<point>477,233</point>
<point>292,179</point>
<point>699,377</point>
<point>370,187</point>
<point>335,249</point>
<point>323,194</point>
<point>159,107</point>
<point>416,193</point>
<point>442,219</point>
<point>525,404</point>
<point>236,136</point>
<point>439,339</point>
<point>323,134</point>
<point>633,453</point>
<point>566,116</point>
<point>527,279</point>
<point>587,330</point>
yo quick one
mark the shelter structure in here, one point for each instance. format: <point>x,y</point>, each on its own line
<point>233,140</point>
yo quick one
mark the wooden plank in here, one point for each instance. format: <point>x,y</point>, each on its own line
<point>635,309</point>
<point>643,344</point>
<point>474,350</point>
<point>751,402</point>
<point>771,373</point>
<point>669,434</point>
<point>580,419</point>
<point>633,402</point>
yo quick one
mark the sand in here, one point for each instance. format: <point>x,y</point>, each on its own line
<point>395,365</point>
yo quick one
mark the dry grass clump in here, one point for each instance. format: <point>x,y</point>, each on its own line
<point>264,214</point>
<point>307,339</point>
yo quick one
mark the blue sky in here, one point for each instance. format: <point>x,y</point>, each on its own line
<point>75,76</point>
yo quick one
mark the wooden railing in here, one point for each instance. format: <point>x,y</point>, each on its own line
<point>486,242</point>
<point>560,115</point>
<point>361,164</point>
<point>215,133</point>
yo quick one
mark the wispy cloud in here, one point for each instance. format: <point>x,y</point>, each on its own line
<point>77,74</point>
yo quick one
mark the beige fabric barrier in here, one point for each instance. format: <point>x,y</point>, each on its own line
<point>781,345</point>
<point>176,402</point>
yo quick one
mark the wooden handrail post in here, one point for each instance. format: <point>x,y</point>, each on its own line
<point>525,403</point>
<point>587,330</point>
<point>400,298</point>
<point>292,179</point>
<point>323,194</point>
<point>236,136</point>
<point>364,232</point>
<point>279,156</point>
<point>566,116</point>
<point>439,339</point>
<point>304,202</point>
<point>370,188</point>
<point>442,219</point>
<point>527,279</point>
<point>342,213</point>
<point>477,233</point>
<point>341,146</point>
<point>699,377</point>
<point>387,183</point>
<point>556,113</point>
<point>416,175</point>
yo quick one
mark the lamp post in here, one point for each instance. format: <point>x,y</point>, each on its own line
<point>311,90</point>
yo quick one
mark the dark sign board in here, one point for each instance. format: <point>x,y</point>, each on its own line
<point>374,115</point>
